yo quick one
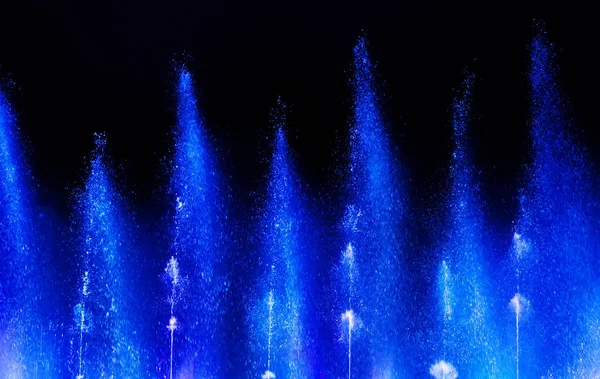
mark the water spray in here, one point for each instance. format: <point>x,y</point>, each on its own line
<point>172,271</point>
<point>269,374</point>
<point>443,370</point>
<point>84,293</point>
<point>348,316</point>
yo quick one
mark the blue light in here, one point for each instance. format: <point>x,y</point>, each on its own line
<point>107,328</point>
<point>278,318</point>
<point>373,224</point>
<point>385,309</point>
<point>196,231</point>
<point>466,323</point>
<point>27,346</point>
<point>557,228</point>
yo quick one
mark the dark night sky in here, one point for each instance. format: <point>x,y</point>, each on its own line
<point>84,66</point>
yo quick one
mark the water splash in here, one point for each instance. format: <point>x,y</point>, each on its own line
<point>443,370</point>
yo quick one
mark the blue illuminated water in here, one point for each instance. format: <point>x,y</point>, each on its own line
<point>555,238</point>
<point>372,251</point>
<point>467,331</point>
<point>107,323</point>
<point>27,345</point>
<point>277,319</point>
<point>196,297</point>
<point>205,296</point>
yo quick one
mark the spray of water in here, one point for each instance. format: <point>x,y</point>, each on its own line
<point>81,314</point>
<point>517,303</point>
<point>269,374</point>
<point>348,316</point>
<point>443,370</point>
<point>172,271</point>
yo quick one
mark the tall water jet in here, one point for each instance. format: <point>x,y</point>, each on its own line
<point>174,282</point>
<point>559,218</point>
<point>447,303</point>
<point>348,317</point>
<point>518,302</point>
<point>197,239</point>
<point>471,345</point>
<point>22,294</point>
<point>373,228</point>
<point>278,318</point>
<point>80,312</point>
<point>107,318</point>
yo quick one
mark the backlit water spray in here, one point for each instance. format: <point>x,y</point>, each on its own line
<point>269,374</point>
<point>172,272</point>
<point>348,316</point>
<point>81,313</point>
<point>278,316</point>
<point>518,302</point>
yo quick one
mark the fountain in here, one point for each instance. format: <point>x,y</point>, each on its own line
<point>80,311</point>
<point>348,316</point>
<point>174,282</point>
<point>517,303</point>
<point>446,298</point>
<point>198,221</point>
<point>468,336</point>
<point>532,310</point>
<point>557,217</point>
<point>372,231</point>
<point>107,321</point>
<point>280,326</point>
<point>23,274</point>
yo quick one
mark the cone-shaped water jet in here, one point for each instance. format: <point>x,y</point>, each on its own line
<point>468,333</point>
<point>278,316</point>
<point>373,226</point>
<point>26,346</point>
<point>107,318</point>
<point>558,220</point>
<point>174,282</point>
<point>196,230</point>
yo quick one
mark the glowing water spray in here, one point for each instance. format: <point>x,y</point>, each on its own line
<point>172,271</point>
<point>348,316</point>
<point>84,293</point>
<point>269,374</point>
<point>446,300</point>
<point>517,303</point>
<point>443,370</point>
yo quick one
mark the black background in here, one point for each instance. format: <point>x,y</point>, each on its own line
<point>86,67</point>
